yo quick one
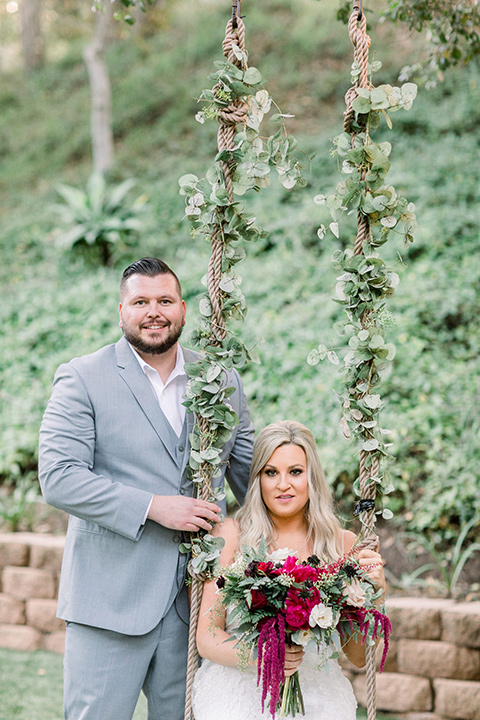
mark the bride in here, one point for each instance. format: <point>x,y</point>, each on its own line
<point>289,503</point>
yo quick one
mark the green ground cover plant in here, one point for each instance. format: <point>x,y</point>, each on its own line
<point>53,309</point>
<point>31,686</point>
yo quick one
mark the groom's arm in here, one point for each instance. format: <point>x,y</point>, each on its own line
<point>66,459</point>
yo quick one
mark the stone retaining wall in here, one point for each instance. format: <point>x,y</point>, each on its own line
<point>29,573</point>
<point>432,670</point>
<point>433,665</point>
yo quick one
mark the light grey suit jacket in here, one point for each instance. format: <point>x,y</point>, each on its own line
<point>105,448</point>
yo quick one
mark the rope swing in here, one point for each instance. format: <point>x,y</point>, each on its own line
<point>357,30</point>
<point>366,282</point>
<point>238,101</point>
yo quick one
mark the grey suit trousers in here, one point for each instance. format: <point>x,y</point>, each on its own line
<point>105,670</point>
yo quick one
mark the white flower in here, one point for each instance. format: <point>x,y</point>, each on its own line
<point>354,593</point>
<point>302,637</point>
<point>280,555</point>
<point>321,615</point>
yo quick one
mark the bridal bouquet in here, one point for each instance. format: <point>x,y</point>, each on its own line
<point>274,600</point>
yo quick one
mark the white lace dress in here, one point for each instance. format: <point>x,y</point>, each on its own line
<point>226,693</point>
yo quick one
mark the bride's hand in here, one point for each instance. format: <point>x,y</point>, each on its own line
<point>372,563</point>
<point>293,658</point>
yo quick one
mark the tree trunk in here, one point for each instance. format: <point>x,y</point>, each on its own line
<point>32,38</point>
<point>101,100</point>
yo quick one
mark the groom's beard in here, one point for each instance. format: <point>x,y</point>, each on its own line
<point>154,348</point>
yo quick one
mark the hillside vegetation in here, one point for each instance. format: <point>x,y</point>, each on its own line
<point>57,305</point>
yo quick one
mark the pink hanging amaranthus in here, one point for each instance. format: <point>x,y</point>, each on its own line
<point>271,659</point>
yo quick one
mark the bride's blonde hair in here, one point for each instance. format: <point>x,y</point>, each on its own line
<point>253,518</point>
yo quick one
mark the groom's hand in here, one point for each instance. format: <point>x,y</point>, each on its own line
<point>183,513</point>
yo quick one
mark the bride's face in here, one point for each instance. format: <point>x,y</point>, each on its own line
<point>284,482</point>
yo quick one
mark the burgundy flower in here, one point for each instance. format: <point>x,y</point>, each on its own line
<point>251,569</point>
<point>220,582</point>
<point>296,616</point>
<point>299,605</point>
<point>259,600</point>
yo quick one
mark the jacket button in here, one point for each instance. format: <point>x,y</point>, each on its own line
<point>181,448</point>
<point>176,538</point>
<point>182,491</point>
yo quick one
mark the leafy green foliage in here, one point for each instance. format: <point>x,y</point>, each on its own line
<point>17,507</point>
<point>214,213</point>
<point>366,283</point>
<point>205,551</point>
<point>449,565</point>
<point>453,32</point>
<point>99,219</point>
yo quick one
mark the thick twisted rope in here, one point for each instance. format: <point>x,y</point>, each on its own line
<point>231,116</point>
<point>357,30</point>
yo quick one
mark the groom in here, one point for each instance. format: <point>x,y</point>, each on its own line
<point>114,446</point>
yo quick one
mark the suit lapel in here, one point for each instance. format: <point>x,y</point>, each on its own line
<point>133,375</point>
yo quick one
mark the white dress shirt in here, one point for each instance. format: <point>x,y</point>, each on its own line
<point>170,394</point>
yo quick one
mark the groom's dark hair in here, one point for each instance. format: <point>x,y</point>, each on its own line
<point>148,266</point>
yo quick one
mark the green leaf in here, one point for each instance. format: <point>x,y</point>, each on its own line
<point>370,445</point>
<point>313,357</point>
<point>363,92</point>
<point>389,222</point>
<point>252,76</point>
<point>334,228</point>
<point>379,99</point>
<point>372,401</point>
<point>188,180</point>
<point>205,307</point>
<point>362,105</point>
<point>333,357</point>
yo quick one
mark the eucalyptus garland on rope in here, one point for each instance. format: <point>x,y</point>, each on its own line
<point>238,101</point>
<point>366,283</point>
<point>244,162</point>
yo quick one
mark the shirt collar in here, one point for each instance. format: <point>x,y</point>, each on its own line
<point>178,370</point>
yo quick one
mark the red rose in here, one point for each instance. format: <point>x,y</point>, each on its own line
<point>259,600</point>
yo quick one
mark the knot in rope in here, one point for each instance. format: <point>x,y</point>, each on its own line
<point>357,30</point>
<point>201,577</point>
<point>236,111</point>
